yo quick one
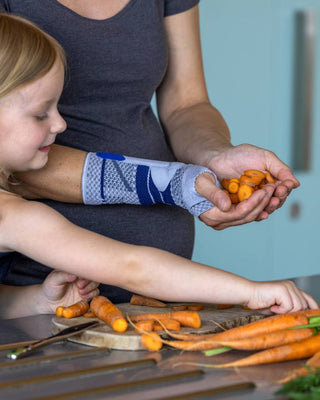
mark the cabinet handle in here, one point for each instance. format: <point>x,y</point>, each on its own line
<point>305,32</point>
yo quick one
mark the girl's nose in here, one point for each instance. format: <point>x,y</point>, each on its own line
<point>59,124</point>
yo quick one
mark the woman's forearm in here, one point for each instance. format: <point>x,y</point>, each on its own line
<point>196,133</point>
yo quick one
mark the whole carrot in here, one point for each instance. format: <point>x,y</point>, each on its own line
<point>269,340</point>
<point>186,318</point>
<point>265,325</point>
<point>75,310</point>
<point>146,301</point>
<point>313,364</point>
<point>109,313</point>
<point>171,324</point>
<point>294,351</point>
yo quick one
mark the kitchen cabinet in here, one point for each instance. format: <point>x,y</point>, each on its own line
<point>262,66</point>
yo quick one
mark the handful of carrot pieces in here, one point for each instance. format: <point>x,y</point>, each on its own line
<point>239,189</point>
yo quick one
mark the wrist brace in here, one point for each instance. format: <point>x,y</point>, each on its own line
<point>114,179</point>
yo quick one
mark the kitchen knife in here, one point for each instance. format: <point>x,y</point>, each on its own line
<point>64,334</point>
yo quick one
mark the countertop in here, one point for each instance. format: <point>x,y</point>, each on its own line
<point>67,370</point>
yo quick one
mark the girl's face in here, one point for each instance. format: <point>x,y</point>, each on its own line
<point>30,121</point>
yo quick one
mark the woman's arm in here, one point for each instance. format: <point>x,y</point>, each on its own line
<point>49,238</point>
<point>198,134</point>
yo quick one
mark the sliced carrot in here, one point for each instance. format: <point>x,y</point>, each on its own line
<point>186,318</point>
<point>195,307</point>
<point>144,326</point>
<point>234,198</point>
<point>138,300</point>
<point>109,313</point>
<point>269,177</point>
<point>180,307</point>
<point>225,183</point>
<point>233,186</point>
<point>151,341</point>
<point>75,310</point>
<point>59,311</point>
<point>256,175</point>
<point>245,191</point>
<point>244,179</point>
<point>224,306</point>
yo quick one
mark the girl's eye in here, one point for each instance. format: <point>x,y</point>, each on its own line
<point>41,117</point>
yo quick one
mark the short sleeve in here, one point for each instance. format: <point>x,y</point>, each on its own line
<point>177,6</point>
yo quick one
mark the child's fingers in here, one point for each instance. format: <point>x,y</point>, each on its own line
<point>89,295</point>
<point>85,286</point>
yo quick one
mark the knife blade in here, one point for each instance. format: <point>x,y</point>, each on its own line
<point>64,334</point>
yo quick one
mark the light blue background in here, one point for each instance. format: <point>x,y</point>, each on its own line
<point>248,51</point>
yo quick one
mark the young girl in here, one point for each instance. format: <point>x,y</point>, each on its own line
<point>31,81</point>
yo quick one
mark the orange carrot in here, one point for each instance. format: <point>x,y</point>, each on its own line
<point>144,326</point>
<point>234,198</point>
<point>195,307</point>
<point>224,306</point>
<point>109,313</point>
<point>151,341</point>
<point>225,183</point>
<point>180,307</point>
<point>245,191</point>
<point>265,325</point>
<point>293,351</point>
<point>268,340</point>
<point>89,314</point>
<point>171,324</point>
<point>247,180</point>
<point>255,175</point>
<point>186,318</point>
<point>59,311</point>
<point>146,301</point>
<point>75,310</point>
<point>313,364</point>
<point>269,177</point>
<point>233,186</point>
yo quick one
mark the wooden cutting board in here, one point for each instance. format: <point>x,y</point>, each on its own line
<point>212,319</point>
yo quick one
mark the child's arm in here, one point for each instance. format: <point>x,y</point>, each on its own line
<point>59,289</point>
<point>49,238</point>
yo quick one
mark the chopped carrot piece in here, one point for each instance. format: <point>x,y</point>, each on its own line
<point>245,191</point>
<point>269,177</point>
<point>180,307</point>
<point>109,313</point>
<point>75,310</point>
<point>170,324</point>
<point>234,198</point>
<point>144,326</point>
<point>233,187</point>
<point>151,341</point>
<point>59,311</point>
<point>146,301</point>
<point>224,306</point>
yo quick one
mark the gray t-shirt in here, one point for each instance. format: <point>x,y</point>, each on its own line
<point>114,68</point>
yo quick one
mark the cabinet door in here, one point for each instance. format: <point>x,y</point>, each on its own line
<point>250,50</point>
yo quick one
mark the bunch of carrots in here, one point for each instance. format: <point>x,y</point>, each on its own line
<point>277,338</point>
<point>239,189</point>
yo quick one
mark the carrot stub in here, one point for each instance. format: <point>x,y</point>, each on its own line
<point>151,341</point>
<point>146,301</point>
<point>109,313</point>
<point>144,326</point>
<point>76,310</point>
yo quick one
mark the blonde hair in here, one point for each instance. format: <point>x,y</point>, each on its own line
<point>26,54</point>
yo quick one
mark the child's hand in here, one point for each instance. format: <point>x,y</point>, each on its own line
<point>280,297</point>
<point>63,289</point>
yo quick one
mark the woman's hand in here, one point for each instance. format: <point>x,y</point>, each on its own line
<point>231,163</point>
